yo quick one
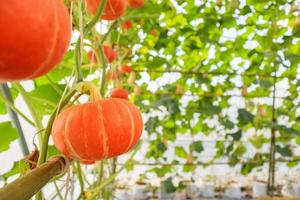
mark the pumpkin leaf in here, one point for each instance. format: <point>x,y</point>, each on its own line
<point>8,134</point>
<point>245,117</point>
<point>180,152</point>
<point>197,146</point>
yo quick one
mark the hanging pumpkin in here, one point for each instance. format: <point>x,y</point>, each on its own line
<point>119,93</point>
<point>34,37</point>
<point>136,3</point>
<point>97,130</point>
<point>126,25</point>
<point>113,9</point>
<point>110,53</point>
<point>125,69</point>
<point>92,57</point>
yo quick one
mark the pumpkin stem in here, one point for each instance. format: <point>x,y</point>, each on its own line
<point>89,88</point>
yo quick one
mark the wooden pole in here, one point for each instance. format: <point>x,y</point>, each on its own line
<point>29,184</point>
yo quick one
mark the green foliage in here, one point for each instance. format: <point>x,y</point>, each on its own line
<point>225,57</point>
<point>8,134</point>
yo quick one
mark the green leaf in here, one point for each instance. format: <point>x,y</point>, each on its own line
<point>45,98</point>
<point>52,151</point>
<point>2,108</point>
<point>169,186</point>
<point>197,146</point>
<point>284,151</point>
<point>162,171</point>
<point>227,123</point>
<point>236,136</point>
<point>151,124</point>
<point>247,168</point>
<point>180,152</point>
<point>171,104</point>
<point>245,117</point>
<point>258,141</point>
<point>7,134</point>
<point>206,107</point>
<point>19,167</point>
<point>156,62</point>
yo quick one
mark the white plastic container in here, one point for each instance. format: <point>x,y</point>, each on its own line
<point>193,191</point>
<point>259,189</point>
<point>180,195</point>
<point>291,190</point>
<point>164,195</point>
<point>208,190</point>
<point>234,192</point>
<point>122,194</point>
<point>140,192</point>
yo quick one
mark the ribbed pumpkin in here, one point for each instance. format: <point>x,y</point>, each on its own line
<point>97,130</point>
<point>113,9</point>
<point>34,36</point>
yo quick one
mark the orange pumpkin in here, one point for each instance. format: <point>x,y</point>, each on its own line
<point>92,57</point>
<point>113,9</point>
<point>127,25</point>
<point>119,93</point>
<point>136,3</point>
<point>34,37</point>
<point>125,69</point>
<point>109,53</point>
<point>97,130</point>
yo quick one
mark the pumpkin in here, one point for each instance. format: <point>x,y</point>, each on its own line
<point>113,9</point>
<point>34,37</point>
<point>136,3</point>
<point>153,32</point>
<point>126,25</point>
<point>97,130</point>
<point>119,93</point>
<point>125,69</point>
<point>109,53</point>
<point>92,57</point>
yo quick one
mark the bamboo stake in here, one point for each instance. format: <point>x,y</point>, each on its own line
<point>26,186</point>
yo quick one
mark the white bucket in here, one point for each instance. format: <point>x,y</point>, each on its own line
<point>259,189</point>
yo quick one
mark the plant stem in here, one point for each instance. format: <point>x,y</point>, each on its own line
<point>15,109</point>
<point>26,186</point>
<point>44,148</point>
<point>79,45</point>
<point>58,191</point>
<point>15,119</point>
<point>96,190</point>
<point>80,178</point>
<point>86,31</point>
<point>104,66</point>
<point>272,159</point>
<point>34,114</point>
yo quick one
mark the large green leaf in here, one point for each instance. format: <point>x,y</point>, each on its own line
<point>8,134</point>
